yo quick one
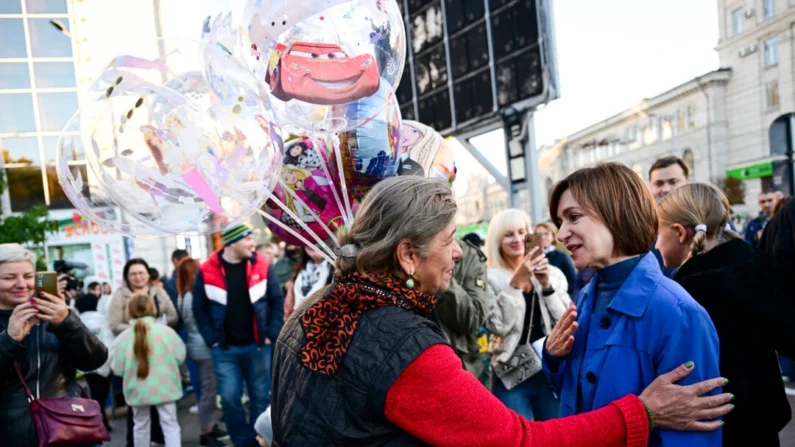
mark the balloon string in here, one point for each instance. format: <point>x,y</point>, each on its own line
<point>298,236</point>
<point>343,181</point>
<point>234,195</point>
<point>298,199</point>
<point>303,225</point>
<point>324,165</point>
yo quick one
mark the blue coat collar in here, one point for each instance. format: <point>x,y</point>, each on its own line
<point>634,295</point>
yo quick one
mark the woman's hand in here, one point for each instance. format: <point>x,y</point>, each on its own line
<point>22,320</point>
<point>51,308</point>
<point>541,270</point>
<point>561,339</point>
<point>680,408</point>
<point>63,280</point>
<point>522,275</point>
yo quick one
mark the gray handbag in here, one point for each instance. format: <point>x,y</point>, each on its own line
<point>524,363</point>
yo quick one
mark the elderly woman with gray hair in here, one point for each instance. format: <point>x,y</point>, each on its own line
<point>44,337</point>
<point>359,363</point>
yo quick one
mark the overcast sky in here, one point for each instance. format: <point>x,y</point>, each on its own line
<point>611,55</point>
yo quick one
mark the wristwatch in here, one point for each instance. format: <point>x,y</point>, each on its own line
<point>547,291</point>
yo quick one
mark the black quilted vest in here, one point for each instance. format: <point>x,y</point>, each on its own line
<point>347,409</point>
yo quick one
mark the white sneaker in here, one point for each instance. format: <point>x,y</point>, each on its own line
<point>194,409</point>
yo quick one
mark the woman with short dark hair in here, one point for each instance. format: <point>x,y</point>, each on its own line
<point>360,363</point>
<point>634,324</point>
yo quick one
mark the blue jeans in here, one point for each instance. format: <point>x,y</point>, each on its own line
<point>233,366</point>
<point>532,399</point>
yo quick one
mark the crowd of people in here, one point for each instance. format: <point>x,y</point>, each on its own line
<point>641,313</point>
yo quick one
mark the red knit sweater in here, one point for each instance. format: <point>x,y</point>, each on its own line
<point>439,402</point>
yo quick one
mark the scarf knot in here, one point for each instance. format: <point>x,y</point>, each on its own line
<point>330,323</point>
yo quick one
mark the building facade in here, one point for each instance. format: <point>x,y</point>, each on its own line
<point>51,52</point>
<point>756,42</point>
<point>688,121</point>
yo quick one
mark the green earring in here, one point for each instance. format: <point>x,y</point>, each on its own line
<point>410,282</point>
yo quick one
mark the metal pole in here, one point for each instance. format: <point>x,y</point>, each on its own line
<point>5,198</point>
<point>449,66</point>
<point>709,128</point>
<point>490,168</point>
<point>512,199</point>
<point>790,158</point>
<point>532,179</point>
<point>492,62</point>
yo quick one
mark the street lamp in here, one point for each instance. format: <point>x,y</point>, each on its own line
<point>60,27</point>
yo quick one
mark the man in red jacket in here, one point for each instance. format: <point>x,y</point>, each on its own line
<point>238,304</point>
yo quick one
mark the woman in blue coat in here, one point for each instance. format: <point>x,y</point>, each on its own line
<point>630,323</point>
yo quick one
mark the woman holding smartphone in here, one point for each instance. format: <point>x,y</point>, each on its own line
<point>527,296</point>
<point>48,341</point>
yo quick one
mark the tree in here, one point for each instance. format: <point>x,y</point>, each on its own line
<point>29,228</point>
<point>733,188</point>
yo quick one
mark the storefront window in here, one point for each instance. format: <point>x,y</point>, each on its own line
<point>54,74</point>
<point>48,41</point>
<point>12,35</point>
<point>14,75</point>
<point>58,199</point>
<point>25,187</point>
<point>75,252</point>
<point>45,6</point>
<point>55,109</point>
<point>17,112</point>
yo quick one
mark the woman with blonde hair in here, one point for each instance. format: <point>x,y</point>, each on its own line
<point>527,296</point>
<point>729,279</point>
<point>147,356</point>
<point>45,338</point>
<point>549,242</point>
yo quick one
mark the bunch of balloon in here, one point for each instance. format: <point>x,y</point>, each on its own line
<point>328,71</point>
<point>160,146</point>
<point>285,108</point>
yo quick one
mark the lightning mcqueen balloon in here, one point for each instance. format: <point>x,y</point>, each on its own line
<point>320,73</point>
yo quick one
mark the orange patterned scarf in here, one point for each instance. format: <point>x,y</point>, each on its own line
<point>330,323</point>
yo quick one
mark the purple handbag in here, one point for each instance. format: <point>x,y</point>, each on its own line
<point>67,421</point>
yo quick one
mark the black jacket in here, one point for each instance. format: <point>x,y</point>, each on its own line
<point>734,284</point>
<point>346,409</point>
<point>63,349</point>
<point>779,237</point>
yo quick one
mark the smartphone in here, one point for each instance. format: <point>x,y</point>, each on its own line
<point>46,282</point>
<point>531,241</point>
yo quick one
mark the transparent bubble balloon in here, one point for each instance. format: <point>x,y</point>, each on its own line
<point>88,194</point>
<point>316,57</point>
<point>157,150</point>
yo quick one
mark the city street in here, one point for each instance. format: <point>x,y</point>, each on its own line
<point>190,426</point>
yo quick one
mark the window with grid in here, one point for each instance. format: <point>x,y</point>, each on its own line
<point>738,19</point>
<point>772,98</point>
<point>769,8</point>
<point>771,52</point>
<point>38,95</point>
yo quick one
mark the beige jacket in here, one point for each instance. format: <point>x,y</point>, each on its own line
<point>507,304</point>
<point>117,311</point>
